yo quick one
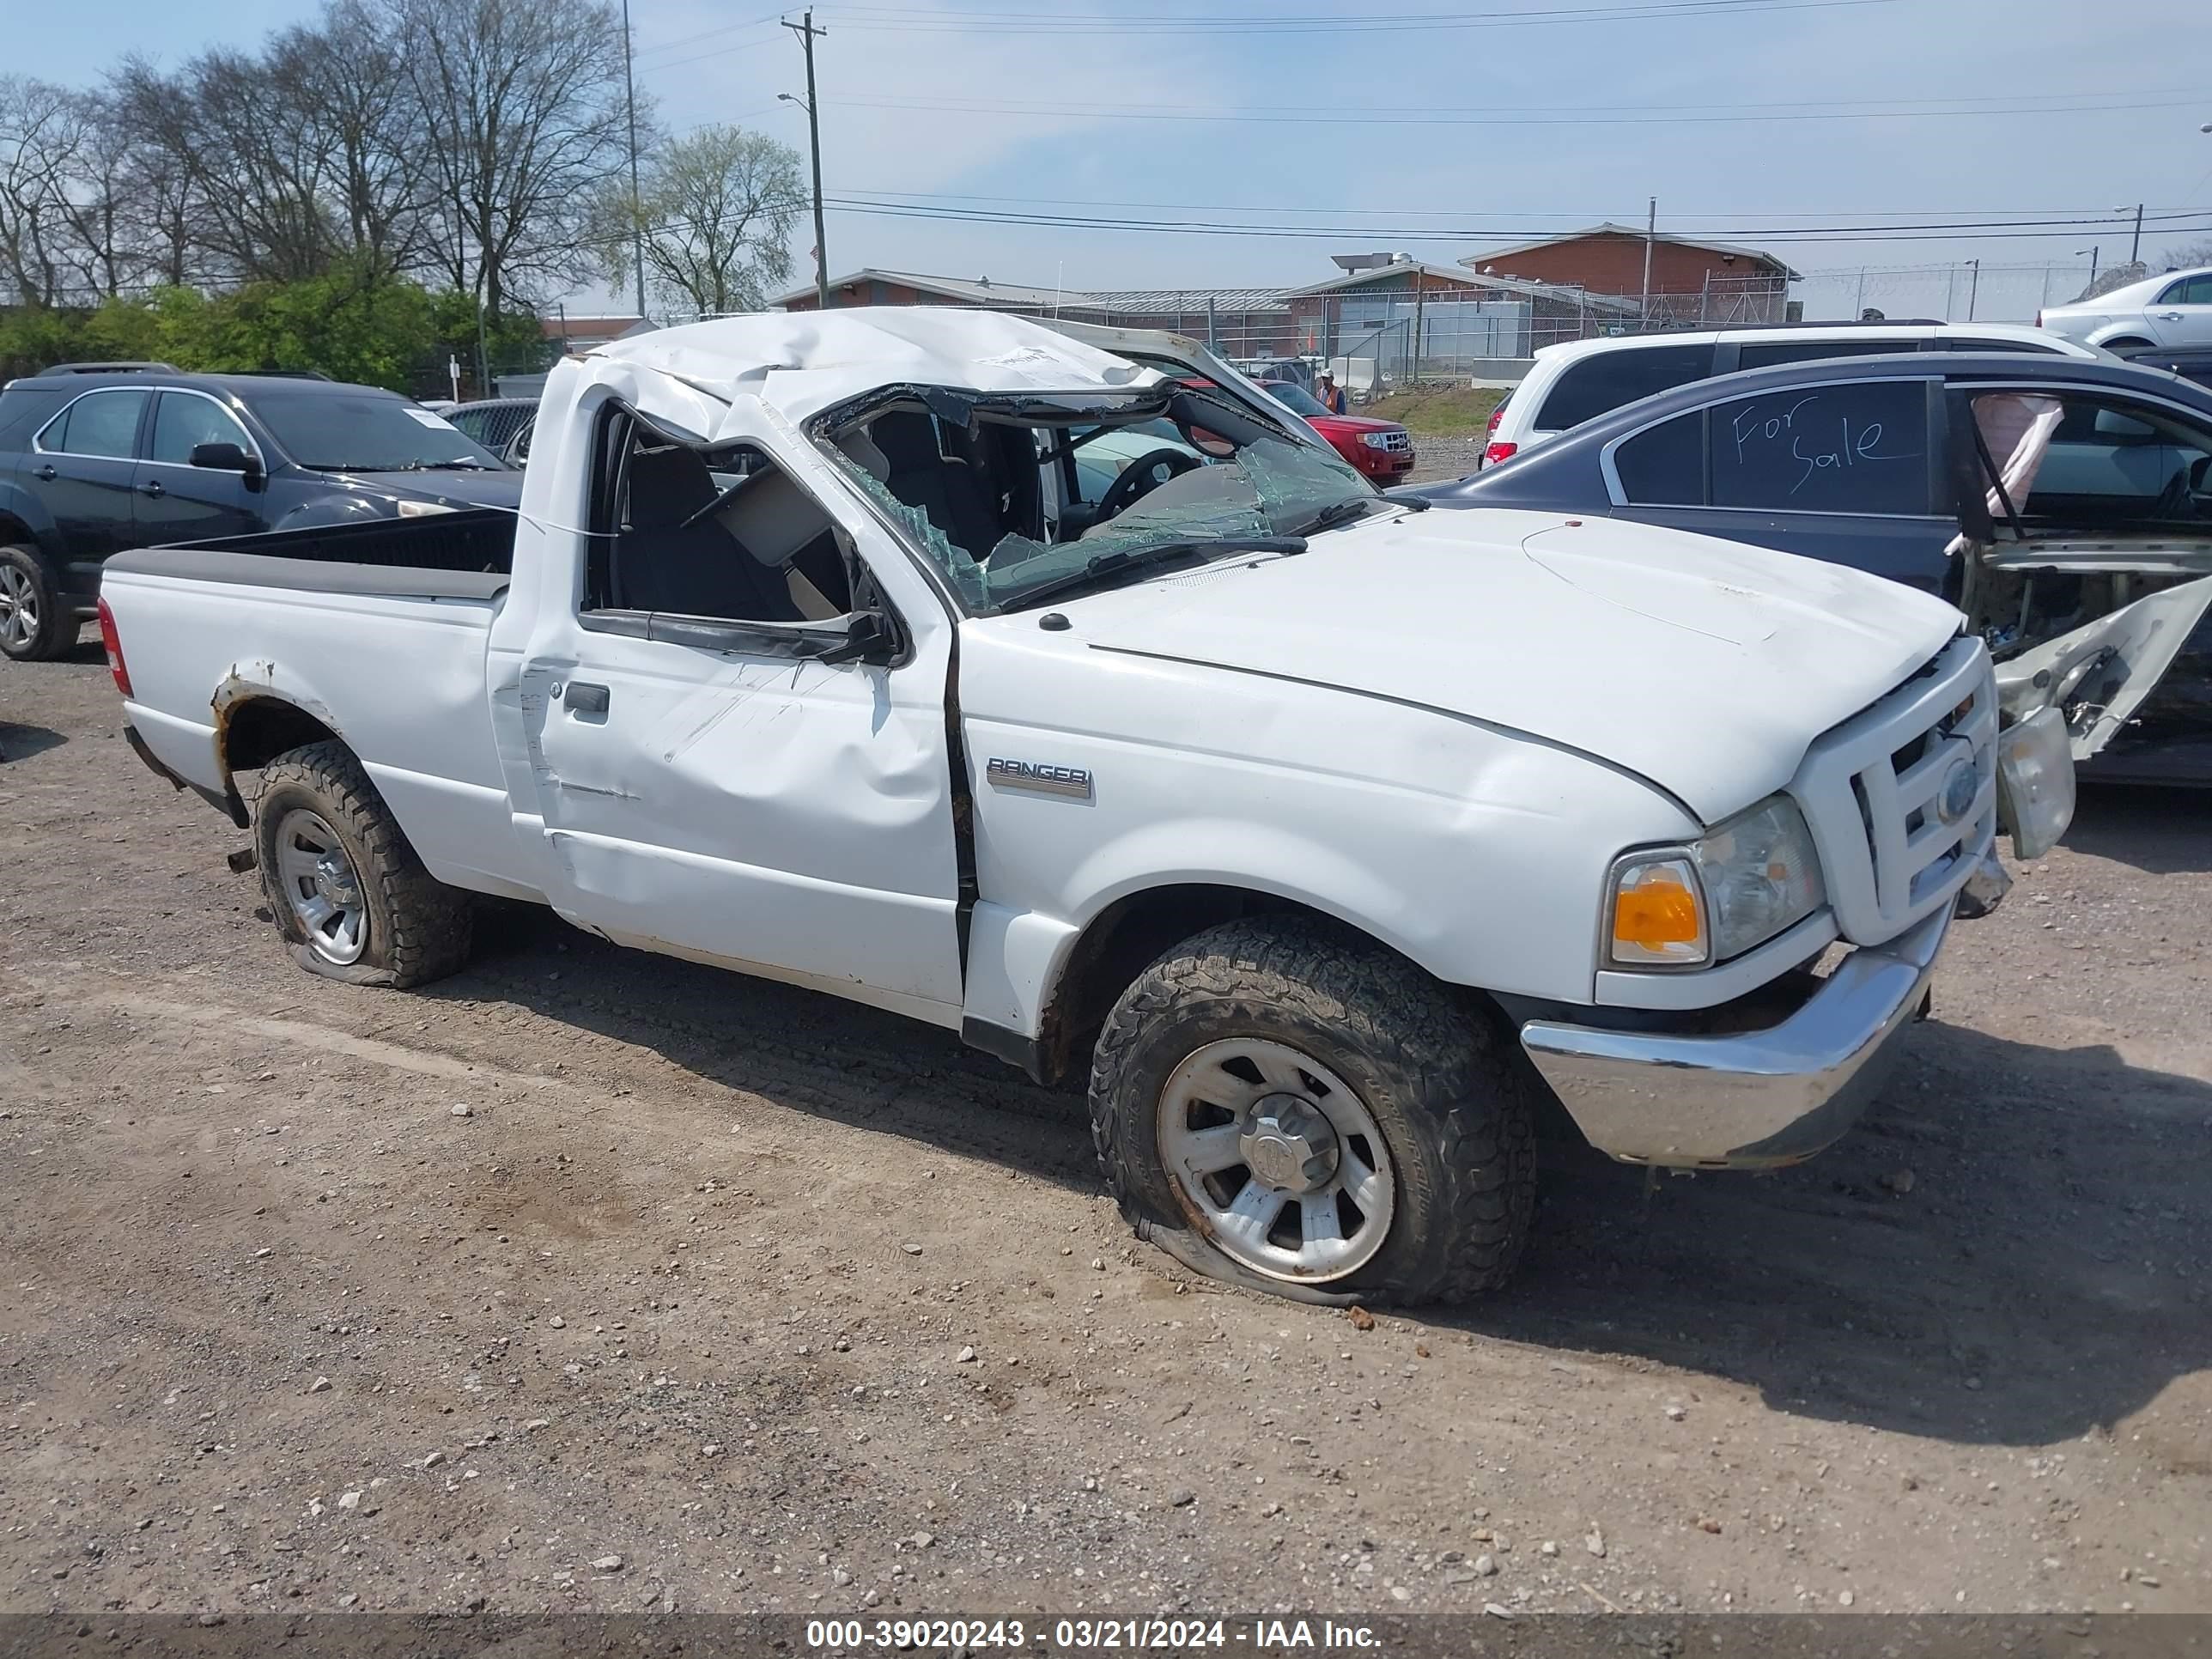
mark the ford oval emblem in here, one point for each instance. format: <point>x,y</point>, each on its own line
<point>1960,784</point>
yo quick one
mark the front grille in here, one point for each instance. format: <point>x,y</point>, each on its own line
<point>1875,791</point>
<point>1397,440</point>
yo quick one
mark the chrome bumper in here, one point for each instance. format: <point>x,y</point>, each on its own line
<point>1748,1100</point>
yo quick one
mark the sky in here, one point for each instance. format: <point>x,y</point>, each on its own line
<point>1439,128</point>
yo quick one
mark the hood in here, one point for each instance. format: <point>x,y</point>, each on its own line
<point>1703,665</point>
<point>1351,424</point>
<point>460,488</point>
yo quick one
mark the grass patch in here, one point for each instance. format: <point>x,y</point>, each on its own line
<point>1438,412</point>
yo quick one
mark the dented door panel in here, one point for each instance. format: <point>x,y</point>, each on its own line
<point>2099,674</point>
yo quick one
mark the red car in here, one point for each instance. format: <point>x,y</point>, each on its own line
<point>1381,450</point>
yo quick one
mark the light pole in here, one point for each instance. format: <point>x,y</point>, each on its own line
<point>1973,288</point>
<point>2092,252</point>
<point>637,212</point>
<point>805,31</point>
<point>2135,248</point>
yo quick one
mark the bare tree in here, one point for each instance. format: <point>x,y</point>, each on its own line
<point>717,207</point>
<point>520,111</point>
<point>254,164</point>
<point>2183,255</point>
<point>345,73</point>
<point>42,130</point>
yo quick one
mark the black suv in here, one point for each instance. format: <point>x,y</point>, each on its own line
<point>97,458</point>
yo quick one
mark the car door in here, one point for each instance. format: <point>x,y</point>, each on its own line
<point>709,784</point>
<point>1852,471</point>
<point>177,502</point>
<point>81,466</point>
<point>2182,313</point>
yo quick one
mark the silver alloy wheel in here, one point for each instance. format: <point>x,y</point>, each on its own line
<point>19,605</point>
<point>1276,1159</point>
<point>323,887</point>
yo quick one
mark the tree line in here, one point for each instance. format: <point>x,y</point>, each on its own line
<point>362,186</point>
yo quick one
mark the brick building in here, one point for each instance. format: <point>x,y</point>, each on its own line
<point>1728,282</point>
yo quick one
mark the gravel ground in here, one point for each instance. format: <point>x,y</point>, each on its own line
<point>596,1280</point>
<point>1436,459</point>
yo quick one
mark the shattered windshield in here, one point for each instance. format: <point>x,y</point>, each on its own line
<point>1017,498</point>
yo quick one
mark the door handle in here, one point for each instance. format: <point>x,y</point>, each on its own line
<point>2169,316</point>
<point>46,471</point>
<point>152,487</point>
<point>581,698</point>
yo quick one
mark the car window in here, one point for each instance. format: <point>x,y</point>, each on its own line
<point>181,421</point>
<point>1665,466</point>
<point>1861,447</point>
<point>2110,462</point>
<point>97,423</point>
<point>1605,380</point>
<point>2189,291</point>
<point>471,423</point>
<point>1767,354</point>
<point>365,432</point>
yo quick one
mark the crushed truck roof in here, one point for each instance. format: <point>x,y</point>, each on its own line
<point>803,362</point>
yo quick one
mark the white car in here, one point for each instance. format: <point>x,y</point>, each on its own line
<point>2174,310</point>
<point>1313,829</point>
<point>1581,379</point>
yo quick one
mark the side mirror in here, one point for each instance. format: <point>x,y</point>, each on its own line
<point>225,457</point>
<point>869,638</point>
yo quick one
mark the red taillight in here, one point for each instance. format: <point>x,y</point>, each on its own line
<point>1498,452</point>
<point>1496,415</point>
<point>2038,319</point>
<point>113,642</point>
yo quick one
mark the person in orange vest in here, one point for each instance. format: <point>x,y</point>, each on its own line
<point>1330,393</point>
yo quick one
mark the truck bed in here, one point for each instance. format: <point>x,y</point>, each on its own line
<point>457,556</point>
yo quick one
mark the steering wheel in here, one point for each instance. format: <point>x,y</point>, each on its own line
<point>1136,481</point>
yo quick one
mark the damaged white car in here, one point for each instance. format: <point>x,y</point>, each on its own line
<point>1057,688</point>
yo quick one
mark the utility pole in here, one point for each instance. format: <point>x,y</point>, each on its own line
<point>1973,288</point>
<point>1650,233</point>
<point>637,212</point>
<point>2135,248</point>
<point>805,31</point>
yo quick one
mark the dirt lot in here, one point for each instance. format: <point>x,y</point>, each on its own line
<point>724,1296</point>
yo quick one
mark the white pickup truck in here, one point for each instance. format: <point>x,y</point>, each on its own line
<point>1323,830</point>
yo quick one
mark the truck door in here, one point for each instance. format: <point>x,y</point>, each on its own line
<point>729,764</point>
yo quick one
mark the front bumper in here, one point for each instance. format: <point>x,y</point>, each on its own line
<point>1748,1100</point>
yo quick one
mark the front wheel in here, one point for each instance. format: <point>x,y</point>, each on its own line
<point>1280,1102</point>
<point>347,890</point>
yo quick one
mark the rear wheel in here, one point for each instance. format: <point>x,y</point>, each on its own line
<point>1282,1103</point>
<point>346,889</point>
<point>33,625</point>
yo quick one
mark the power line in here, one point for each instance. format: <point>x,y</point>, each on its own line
<point>1648,115</point>
<point>933,21</point>
<point>1947,231</point>
<point>1577,219</point>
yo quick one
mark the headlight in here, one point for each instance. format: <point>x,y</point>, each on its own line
<point>1375,440</point>
<point>1751,878</point>
<point>1761,875</point>
<point>421,509</point>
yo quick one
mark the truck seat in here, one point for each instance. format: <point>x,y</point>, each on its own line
<point>688,570</point>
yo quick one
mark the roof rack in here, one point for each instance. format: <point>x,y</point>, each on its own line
<point>284,373</point>
<point>108,369</point>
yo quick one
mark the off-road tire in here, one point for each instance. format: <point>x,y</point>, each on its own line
<point>1453,1099</point>
<point>419,928</point>
<point>58,625</point>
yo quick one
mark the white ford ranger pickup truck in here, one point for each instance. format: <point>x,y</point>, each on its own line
<point>1324,832</point>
